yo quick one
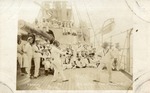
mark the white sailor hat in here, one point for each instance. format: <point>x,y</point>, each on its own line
<point>29,38</point>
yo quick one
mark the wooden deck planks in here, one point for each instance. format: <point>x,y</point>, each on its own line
<point>80,79</point>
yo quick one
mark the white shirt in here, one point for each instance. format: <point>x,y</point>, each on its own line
<point>19,48</point>
<point>36,51</point>
<point>106,55</point>
<point>46,54</point>
<point>55,53</point>
<point>116,53</point>
<point>28,49</point>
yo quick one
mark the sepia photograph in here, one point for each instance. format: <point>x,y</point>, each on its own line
<point>75,45</point>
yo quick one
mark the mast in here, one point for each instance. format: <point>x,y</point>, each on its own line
<point>129,32</point>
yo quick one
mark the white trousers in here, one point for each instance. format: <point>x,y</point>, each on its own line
<point>100,67</point>
<point>58,69</point>
<point>117,64</point>
<point>20,60</point>
<point>47,65</point>
<point>37,66</point>
<point>27,61</point>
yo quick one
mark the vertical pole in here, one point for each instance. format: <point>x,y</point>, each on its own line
<point>127,53</point>
<point>128,49</point>
<point>111,42</point>
<point>124,62</point>
<point>102,34</point>
<point>102,37</point>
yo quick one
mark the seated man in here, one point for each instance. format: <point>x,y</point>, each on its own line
<point>48,66</point>
<point>84,61</point>
<point>78,63</point>
<point>68,66</point>
<point>68,62</point>
<point>81,62</point>
<point>94,61</point>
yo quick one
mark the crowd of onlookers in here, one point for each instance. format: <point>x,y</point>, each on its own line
<point>67,26</point>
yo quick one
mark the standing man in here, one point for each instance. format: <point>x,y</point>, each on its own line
<point>20,54</point>
<point>58,68</point>
<point>37,57</point>
<point>28,54</point>
<point>50,32</point>
<point>36,24</point>
<point>107,59</point>
<point>116,63</point>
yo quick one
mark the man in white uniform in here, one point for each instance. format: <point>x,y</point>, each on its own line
<point>58,68</point>
<point>47,65</point>
<point>37,57</point>
<point>107,59</point>
<point>116,63</point>
<point>20,54</point>
<point>28,53</point>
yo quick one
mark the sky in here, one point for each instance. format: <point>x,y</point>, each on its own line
<point>94,12</point>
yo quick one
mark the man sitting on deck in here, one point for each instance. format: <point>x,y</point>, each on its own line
<point>48,66</point>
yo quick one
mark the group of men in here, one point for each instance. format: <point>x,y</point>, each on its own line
<point>67,26</point>
<point>54,58</point>
<point>71,57</point>
<point>83,56</point>
<point>32,50</point>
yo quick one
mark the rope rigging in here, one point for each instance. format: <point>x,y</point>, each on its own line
<point>90,23</point>
<point>79,17</point>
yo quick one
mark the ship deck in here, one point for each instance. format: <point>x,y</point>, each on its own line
<point>80,79</point>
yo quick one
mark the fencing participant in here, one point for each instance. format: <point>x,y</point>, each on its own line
<point>58,68</point>
<point>107,59</point>
<point>37,57</point>
<point>28,53</point>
